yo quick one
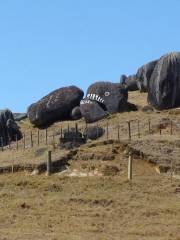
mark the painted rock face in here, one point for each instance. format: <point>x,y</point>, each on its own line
<point>103,98</point>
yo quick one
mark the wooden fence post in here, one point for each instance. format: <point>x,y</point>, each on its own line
<point>24,140</point>
<point>61,132</point>
<point>31,137</point>
<point>76,127</point>
<point>171,130</point>
<point>49,163</point>
<point>118,132</point>
<point>130,167</point>
<point>2,144</point>
<point>171,170</point>
<point>149,126</point>
<point>17,146</point>
<point>46,136</point>
<point>38,138</point>
<point>160,130</point>
<point>129,130</point>
<point>9,141</point>
<point>139,135</point>
<point>107,131</point>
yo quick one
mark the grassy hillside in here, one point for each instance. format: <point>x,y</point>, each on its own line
<point>92,197</point>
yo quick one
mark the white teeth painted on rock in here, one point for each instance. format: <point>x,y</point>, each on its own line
<point>85,102</point>
<point>95,97</point>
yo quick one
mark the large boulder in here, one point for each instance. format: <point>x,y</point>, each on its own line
<point>93,132</point>
<point>131,83</point>
<point>9,130</point>
<point>164,85</point>
<point>72,139</point>
<point>103,98</point>
<point>56,106</point>
<point>143,75</point>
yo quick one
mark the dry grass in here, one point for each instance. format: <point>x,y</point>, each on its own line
<point>99,207</point>
<point>63,208</point>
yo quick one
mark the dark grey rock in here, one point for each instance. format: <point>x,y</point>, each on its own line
<point>92,111</point>
<point>76,113</point>
<point>131,83</point>
<point>164,85</point>
<point>71,139</point>
<point>94,132</point>
<point>9,130</point>
<point>103,98</point>
<point>123,79</point>
<point>19,116</point>
<point>56,106</point>
<point>143,75</point>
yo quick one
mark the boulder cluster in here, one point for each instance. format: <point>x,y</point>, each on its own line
<point>9,130</point>
<point>159,78</point>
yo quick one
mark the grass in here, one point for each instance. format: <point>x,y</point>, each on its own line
<point>99,207</point>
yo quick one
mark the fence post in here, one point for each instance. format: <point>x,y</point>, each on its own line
<point>139,135</point>
<point>38,137</point>
<point>17,146</point>
<point>53,138</point>
<point>130,167</point>
<point>171,170</point>
<point>171,128</point>
<point>76,127</point>
<point>61,132</point>
<point>24,140</point>
<point>129,130</point>
<point>2,144</point>
<point>31,139</point>
<point>46,136</point>
<point>149,126</point>
<point>160,130</point>
<point>107,130</point>
<point>9,141</point>
<point>49,163</point>
<point>118,132</point>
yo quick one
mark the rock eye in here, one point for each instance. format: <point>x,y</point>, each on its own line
<point>106,94</point>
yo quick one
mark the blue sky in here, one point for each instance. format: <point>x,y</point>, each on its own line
<point>47,44</point>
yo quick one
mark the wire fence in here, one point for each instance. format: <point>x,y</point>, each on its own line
<point>130,130</point>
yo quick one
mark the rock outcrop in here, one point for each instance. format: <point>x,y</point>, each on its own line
<point>9,130</point>
<point>94,132</point>
<point>72,139</point>
<point>131,83</point>
<point>102,99</point>
<point>164,85</point>
<point>56,106</point>
<point>143,75</point>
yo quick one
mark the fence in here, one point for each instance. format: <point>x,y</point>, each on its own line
<point>129,130</point>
